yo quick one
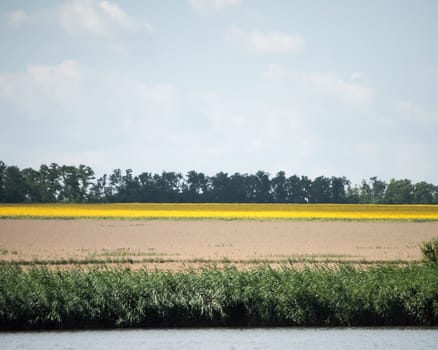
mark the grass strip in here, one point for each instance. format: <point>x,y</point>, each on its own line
<point>218,218</point>
<point>224,260</point>
<point>39,298</point>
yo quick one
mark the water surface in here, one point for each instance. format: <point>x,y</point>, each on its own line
<point>215,339</point>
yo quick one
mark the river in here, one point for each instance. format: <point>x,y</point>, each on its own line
<point>225,339</point>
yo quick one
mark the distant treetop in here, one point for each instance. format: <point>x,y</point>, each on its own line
<point>78,184</point>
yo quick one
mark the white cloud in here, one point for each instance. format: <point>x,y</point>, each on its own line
<point>81,17</point>
<point>276,42</point>
<point>121,18</point>
<point>274,71</point>
<point>412,112</point>
<point>265,42</point>
<point>9,85</point>
<point>158,94</point>
<point>69,69</point>
<point>70,90</point>
<point>220,111</point>
<point>57,80</point>
<point>97,18</point>
<point>68,111</point>
<point>17,18</point>
<point>252,129</point>
<point>115,12</point>
<point>209,6</point>
<point>359,76</point>
<point>278,122</point>
<point>223,120</point>
<point>40,89</point>
<point>353,91</point>
<point>367,150</point>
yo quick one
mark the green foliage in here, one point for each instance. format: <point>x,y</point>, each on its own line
<point>429,250</point>
<point>399,192</point>
<point>342,296</point>
<point>67,183</point>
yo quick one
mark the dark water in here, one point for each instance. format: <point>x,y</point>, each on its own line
<point>279,338</point>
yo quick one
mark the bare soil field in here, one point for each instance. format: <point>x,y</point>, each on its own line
<point>179,244</point>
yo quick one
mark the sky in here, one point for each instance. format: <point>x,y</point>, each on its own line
<point>332,88</point>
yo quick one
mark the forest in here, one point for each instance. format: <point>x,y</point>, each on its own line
<point>79,184</point>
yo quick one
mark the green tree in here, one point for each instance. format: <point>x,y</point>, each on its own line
<point>124,187</point>
<point>353,194</point>
<point>279,188</point>
<point>365,193</point>
<point>337,189</point>
<point>33,186</point>
<point>220,188</point>
<point>373,191</point>
<point>85,178</point>
<point>169,186</point>
<point>130,189</point>
<point>195,187</point>
<point>424,193</point>
<point>379,188</point>
<point>264,189</point>
<point>237,189</point>
<point>320,190</point>
<point>259,188</point>
<point>70,191</point>
<point>115,184</point>
<point>14,185</point>
<point>148,190</point>
<point>50,182</point>
<point>2,181</point>
<point>299,189</point>
<point>399,192</point>
<point>97,190</point>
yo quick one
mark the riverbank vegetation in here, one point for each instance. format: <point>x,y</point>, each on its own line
<point>78,184</point>
<point>39,298</point>
<point>429,250</point>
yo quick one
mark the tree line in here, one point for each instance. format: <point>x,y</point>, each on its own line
<point>78,184</point>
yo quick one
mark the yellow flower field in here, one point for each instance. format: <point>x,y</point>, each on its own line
<point>224,211</point>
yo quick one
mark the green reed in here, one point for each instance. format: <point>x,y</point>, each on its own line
<point>429,250</point>
<point>39,298</point>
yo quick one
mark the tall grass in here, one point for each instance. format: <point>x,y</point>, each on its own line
<point>344,296</point>
<point>429,250</point>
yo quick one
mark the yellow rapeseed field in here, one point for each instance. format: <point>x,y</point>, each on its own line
<point>224,211</point>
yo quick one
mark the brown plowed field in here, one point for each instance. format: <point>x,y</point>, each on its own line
<point>177,243</point>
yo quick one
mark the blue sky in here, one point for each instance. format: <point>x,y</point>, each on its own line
<point>343,88</point>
